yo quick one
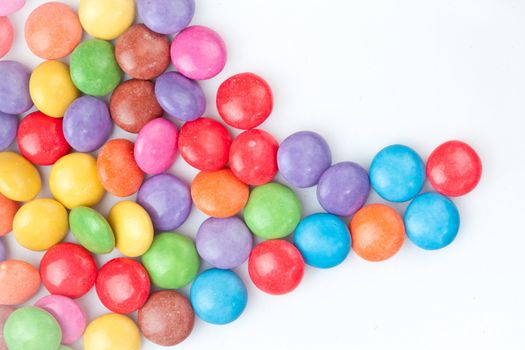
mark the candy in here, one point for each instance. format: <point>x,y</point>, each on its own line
<point>94,70</point>
<point>40,224</point>
<point>273,211</point>
<point>53,30</point>
<point>454,168</point>
<point>343,188</point>
<point>377,232</point>
<point>3,253</point>
<point>166,16</point>
<point>106,19</point>
<point>87,124</point>
<point>41,140</point>
<point>323,240</point>
<point>112,332</point>
<point>8,128</point>
<point>91,230</point>
<point>172,261</point>
<point>156,146</point>
<point>432,221</point>
<point>224,243</point>
<point>167,318</point>
<point>205,144</point>
<point>218,296</point>
<point>397,173</point>
<point>123,285</point>
<point>132,228</point>
<point>74,182</point>
<point>69,315</point>
<point>31,328</point>
<point>179,96</point>
<point>141,53</point>
<point>253,157</point>
<point>219,193</point>
<point>167,200</point>
<point>6,36</point>
<point>19,280</point>
<point>303,157</point>
<point>8,209</point>
<point>117,170</point>
<point>244,101</point>
<point>63,347</point>
<point>68,269</point>
<point>14,88</point>
<point>19,179</point>
<point>133,104</point>
<point>5,311</point>
<point>8,7</point>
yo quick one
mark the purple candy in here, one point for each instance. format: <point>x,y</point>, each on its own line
<point>8,128</point>
<point>303,157</point>
<point>343,188</point>
<point>167,200</point>
<point>224,243</point>
<point>14,88</point>
<point>166,16</point>
<point>87,124</point>
<point>180,97</point>
<point>3,253</point>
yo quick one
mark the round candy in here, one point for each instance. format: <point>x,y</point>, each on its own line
<point>8,209</point>
<point>8,7</point>
<point>276,267</point>
<point>123,285</point>
<point>166,16</point>
<point>303,157</point>
<point>397,173</point>
<point>117,170</point>
<point>133,104</point>
<point>224,243</point>
<point>74,181</point>
<point>87,124</point>
<point>323,240</point>
<point>53,30</point>
<point>205,144</point>
<point>8,128</point>
<point>41,139</point>
<point>273,211</point>
<point>172,261</point>
<point>69,315</point>
<point>5,312</point>
<point>19,280</point>
<point>219,193</point>
<point>3,253</point>
<point>454,168</point>
<point>343,188</point>
<point>14,88</point>
<point>6,36</point>
<point>91,230</point>
<point>244,101</point>
<point>253,157</point>
<point>112,332</point>
<point>31,328</point>
<point>167,318</point>
<point>132,228</point>
<point>167,200</point>
<point>141,53</point>
<point>106,19</point>
<point>179,96</point>
<point>94,69</point>
<point>218,296</point>
<point>156,146</point>
<point>377,232</point>
<point>68,269</point>
<point>19,179</point>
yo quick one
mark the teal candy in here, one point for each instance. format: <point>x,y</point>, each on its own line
<point>91,230</point>
<point>31,328</point>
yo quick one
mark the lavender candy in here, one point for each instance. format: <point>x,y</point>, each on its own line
<point>14,88</point>
<point>3,254</point>
<point>8,129</point>
<point>166,16</point>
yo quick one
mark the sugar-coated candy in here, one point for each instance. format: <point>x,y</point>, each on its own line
<point>3,252</point>
<point>156,146</point>
<point>8,209</point>
<point>106,19</point>
<point>91,230</point>
<point>8,129</point>
<point>5,312</point>
<point>218,296</point>
<point>132,228</point>
<point>32,328</point>
<point>19,280</point>
<point>19,179</point>
<point>166,16</point>
<point>14,88</point>
<point>112,332</point>
<point>6,36</point>
<point>8,7</point>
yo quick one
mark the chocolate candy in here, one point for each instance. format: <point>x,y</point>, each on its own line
<point>32,328</point>
<point>166,16</point>
<point>8,129</point>
<point>19,280</point>
<point>14,88</point>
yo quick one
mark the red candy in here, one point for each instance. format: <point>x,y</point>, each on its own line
<point>41,139</point>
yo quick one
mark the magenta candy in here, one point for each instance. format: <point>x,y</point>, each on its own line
<point>6,36</point>
<point>156,146</point>
<point>8,7</point>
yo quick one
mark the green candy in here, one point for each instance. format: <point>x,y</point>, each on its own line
<point>31,328</point>
<point>94,69</point>
<point>273,211</point>
<point>91,230</point>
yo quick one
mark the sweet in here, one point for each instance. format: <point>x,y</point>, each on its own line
<point>106,19</point>
<point>5,311</point>
<point>6,36</point>
<point>91,230</point>
<point>179,96</point>
<point>19,280</point>
<point>112,332</point>
<point>8,7</point>
<point>32,328</point>
<point>8,209</point>
<point>166,16</point>
<point>156,146</point>
<point>14,88</point>
<point>19,179</point>
<point>8,129</point>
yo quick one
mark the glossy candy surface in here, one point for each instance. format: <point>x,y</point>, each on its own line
<point>156,146</point>
<point>8,7</point>
<point>106,19</point>
<point>91,230</point>
<point>19,280</point>
<point>112,332</point>
<point>32,328</point>
<point>14,88</point>
<point>8,209</point>
<point>166,16</point>
<point>8,129</point>
<point>5,312</point>
<point>19,179</point>
<point>6,36</point>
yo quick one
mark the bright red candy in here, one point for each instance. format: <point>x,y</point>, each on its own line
<point>276,266</point>
<point>454,168</point>
<point>41,139</point>
<point>205,144</point>
<point>123,285</point>
<point>253,157</point>
<point>68,269</point>
<point>244,101</point>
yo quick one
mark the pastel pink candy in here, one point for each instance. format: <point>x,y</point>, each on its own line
<point>6,35</point>
<point>156,146</point>
<point>7,7</point>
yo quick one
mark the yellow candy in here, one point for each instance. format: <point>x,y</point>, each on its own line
<point>106,19</point>
<point>52,89</point>
<point>19,179</point>
<point>74,181</point>
<point>132,228</point>
<point>40,224</point>
<point>112,332</point>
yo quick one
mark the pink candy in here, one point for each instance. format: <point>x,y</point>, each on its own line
<point>7,7</point>
<point>6,35</point>
<point>156,146</point>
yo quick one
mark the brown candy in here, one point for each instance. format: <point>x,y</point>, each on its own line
<point>5,311</point>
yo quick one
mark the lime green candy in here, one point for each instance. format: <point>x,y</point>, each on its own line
<point>94,69</point>
<point>273,211</point>
<point>31,328</point>
<point>91,230</point>
<point>172,260</point>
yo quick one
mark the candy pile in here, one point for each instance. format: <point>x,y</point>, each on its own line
<point>73,119</point>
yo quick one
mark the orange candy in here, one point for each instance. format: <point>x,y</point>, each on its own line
<point>377,232</point>
<point>8,210</point>
<point>19,282</point>
<point>219,193</point>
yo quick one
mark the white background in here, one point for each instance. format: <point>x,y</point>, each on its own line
<point>366,74</point>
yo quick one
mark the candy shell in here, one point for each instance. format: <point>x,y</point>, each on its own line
<point>166,16</point>
<point>14,88</point>
<point>156,146</point>
<point>32,328</point>
<point>8,129</point>
<point>91,230</point>
<point>3,253</point>
<point>112,332</point>
<point>106,19</point>
<point>5,312</point>
<point>8,209</point>
<point>19,179</point>
<point>6,36</point>
<point>8,7</point>
<point>19,280</point>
